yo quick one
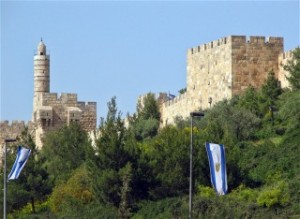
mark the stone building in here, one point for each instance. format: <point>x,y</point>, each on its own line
<point>223,68</point>
<point>50,110</point>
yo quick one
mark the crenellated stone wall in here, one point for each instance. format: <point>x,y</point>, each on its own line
<point>54,111</point>
<point>223,68</point>
<point>50,110</point>
<point>252,60</point>
<point>209,73</point>
<point>11,130</point>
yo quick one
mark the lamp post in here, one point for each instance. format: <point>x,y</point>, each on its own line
<point>196,115</point>
<point>4,176</point>
<point>210,101</point>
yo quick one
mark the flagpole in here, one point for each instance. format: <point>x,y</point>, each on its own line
<point>191,171</point>
<point>4,176</point>
<point>196,115</point>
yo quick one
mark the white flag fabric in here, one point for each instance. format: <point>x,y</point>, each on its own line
<point>22,157</point>
<point>217,163</point>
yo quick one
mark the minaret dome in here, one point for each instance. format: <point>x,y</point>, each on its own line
<point>41,48</point>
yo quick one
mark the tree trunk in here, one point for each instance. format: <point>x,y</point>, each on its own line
<point>32,205</point>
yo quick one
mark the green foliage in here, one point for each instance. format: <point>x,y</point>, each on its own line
<point>109,187</point>
<point>244,194</point>
<point>42,210</point>
<point>227,121</point>
<point>148,107</point>
<point>146,123</point>
<point>169,160</point>
<point>143,171</point>
<point>118,174</point>
<point>33,183</point>
<point>145,129</point>
<point>205,191</point>
<point>166,208</point>
<point>275,195</point>
<point>293,67</point>
<point>270,90</point>
<point>250,100</point>
<point>182,91</point>
<point>126,178</point>
<point>68,148</point>
<point>76,189</point>
<point>289,111</point>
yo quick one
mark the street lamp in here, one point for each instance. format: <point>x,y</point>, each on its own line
<point>4,176</point>
<point>196,115</point>
<point>210,101</point>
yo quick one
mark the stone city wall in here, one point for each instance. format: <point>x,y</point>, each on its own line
<point>253,59</point>
<point>65,104</point>
<point>88,120</point>
<point>282,74</point>
<point>54,111</point>
<point>209,73</point>
<point>208,76</point>
<point>11,130</point>
<point>222,68</point>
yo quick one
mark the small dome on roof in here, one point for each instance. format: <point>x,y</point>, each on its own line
<point>41,48</point>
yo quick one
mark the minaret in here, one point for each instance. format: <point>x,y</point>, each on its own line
<point>41,75</point>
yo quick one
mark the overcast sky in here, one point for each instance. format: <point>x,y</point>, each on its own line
<point>101,49</point>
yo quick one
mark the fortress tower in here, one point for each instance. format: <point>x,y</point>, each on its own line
<point>41,75</point>
<point>51,111</point>
<point>223,68</point>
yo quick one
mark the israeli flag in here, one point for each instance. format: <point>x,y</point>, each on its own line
<point>217,164</point>
<point>22,157</point>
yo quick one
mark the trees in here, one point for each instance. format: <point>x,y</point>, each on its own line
<point>269,94</point>
<point>75,191</point>
<point>64,151</point>
<point>33,183</point>
<point>250,100</point>
<point>128,177</point>
<point>114,168</point>
<point>147,107</point>
<point>169,160</point>
<point>146,122</point>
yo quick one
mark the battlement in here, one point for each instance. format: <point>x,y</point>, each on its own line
<point>86,105</point>
<point>49,99</point>
<point>287,55</point>
<point>174,100</point>
<point>12,124</point>
<point>11,130</point>
<point>210,45</point>
<point>258,40</point>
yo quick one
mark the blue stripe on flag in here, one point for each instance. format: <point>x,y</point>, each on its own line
<point>224,174</point>
<point>22,157</point>
<point>211,164</point>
